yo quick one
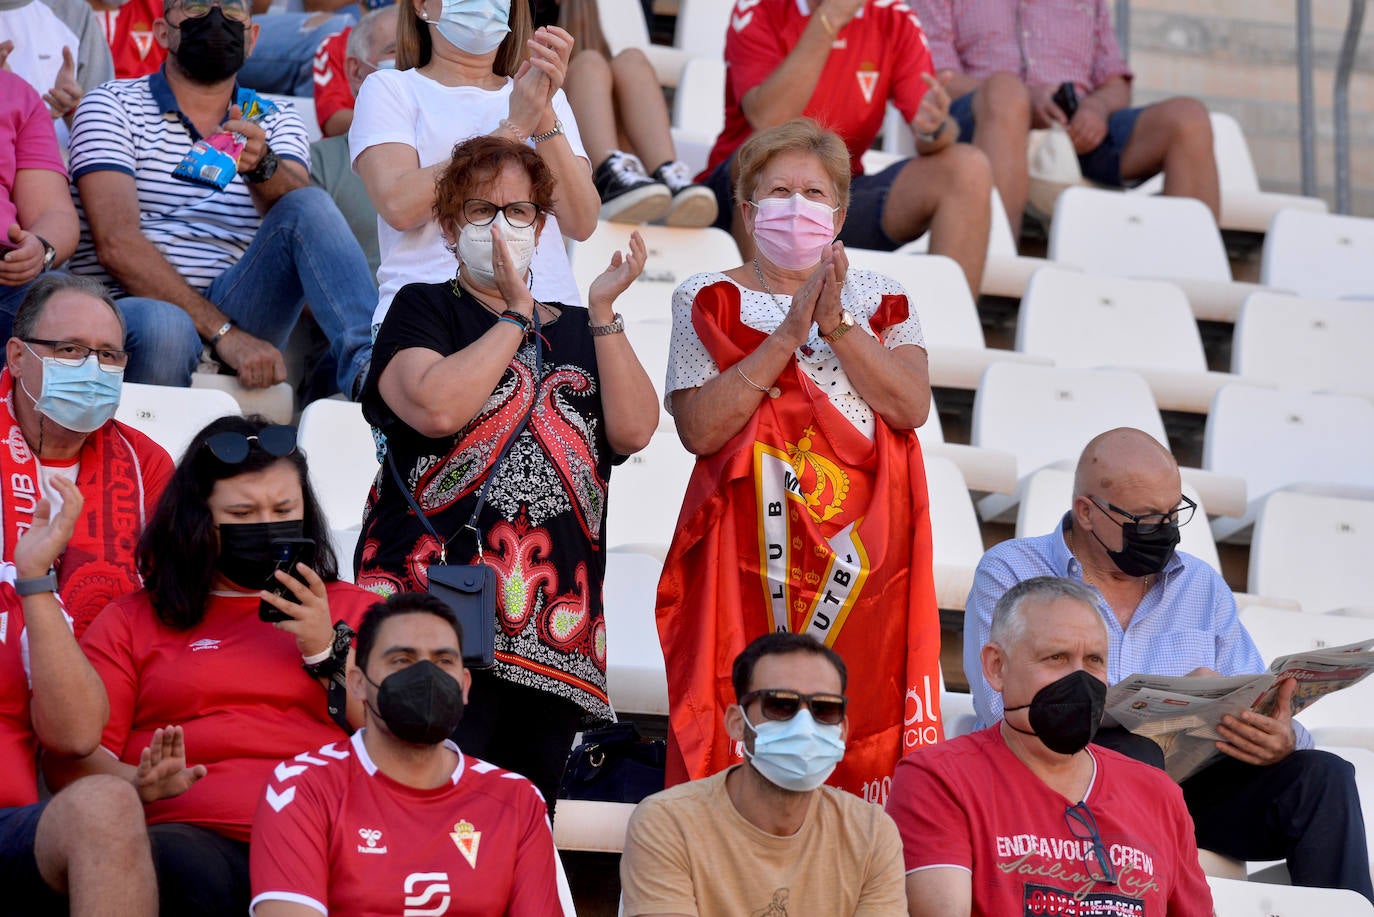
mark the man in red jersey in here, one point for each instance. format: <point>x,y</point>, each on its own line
<point>88,843</point>
<point>398,820</point>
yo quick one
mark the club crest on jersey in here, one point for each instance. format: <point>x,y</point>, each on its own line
<point>143,41</point>
<point>466,838</point>
<point>867,76</point>
<point>370,837</point>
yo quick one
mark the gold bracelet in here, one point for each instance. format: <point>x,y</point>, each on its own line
<point>828,27</point>
<point>772,392</point>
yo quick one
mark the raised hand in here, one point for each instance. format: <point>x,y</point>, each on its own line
<point>65,93</point>
<point>618,276</point>
<point>47,538</point>
<point>162,771</point>
<point>802,313</point>
<point>513,287</point>
<point>309,619</point>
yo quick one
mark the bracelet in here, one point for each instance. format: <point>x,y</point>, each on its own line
<point>615,326</point>
<point>509,125</point>
<point>319,657</point>
<point>223,330</point>
<point>507,318</point>
<point>772,392</point>
<point>524,321</point>
<point>337,657</point>
<point>828,27</point>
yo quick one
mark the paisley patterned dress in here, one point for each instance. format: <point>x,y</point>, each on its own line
<point>542,523</point>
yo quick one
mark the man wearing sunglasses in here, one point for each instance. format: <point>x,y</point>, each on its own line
<point>1272,796</point>
<point>1025,817</point>
<point>60,389</point>
<point>765,836</point>
<point>195,265</point>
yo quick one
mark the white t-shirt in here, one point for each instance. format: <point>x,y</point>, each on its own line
<point>404,106</point>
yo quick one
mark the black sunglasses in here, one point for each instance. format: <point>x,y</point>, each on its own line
<point>232,448</point>
<point>1083,825</point>
<point>776,704</point>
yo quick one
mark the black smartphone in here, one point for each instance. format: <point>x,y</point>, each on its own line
<point>1066,97</point>
<point>286,553</point>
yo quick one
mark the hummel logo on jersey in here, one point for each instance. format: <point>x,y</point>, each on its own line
<point>204,643</point>
<point>4,625</point>
<point>427,894</point>
<point>744,14</point>
<point>370,837</point>
<point>466,838</point>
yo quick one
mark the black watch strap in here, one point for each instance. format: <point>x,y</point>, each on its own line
<point>36,585</point>
<point>264,170</point>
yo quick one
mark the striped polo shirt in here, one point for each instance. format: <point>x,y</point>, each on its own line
<point>136,127</point>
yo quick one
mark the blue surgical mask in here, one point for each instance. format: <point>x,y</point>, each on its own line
<point>796,754</point>
<point>474,26</point>
<point>80,398</point>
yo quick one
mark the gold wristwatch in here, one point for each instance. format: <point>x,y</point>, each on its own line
<point>840,330</point>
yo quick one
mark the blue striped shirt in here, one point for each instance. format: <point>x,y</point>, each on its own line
<point>136,127</point>
<point>1186,621</point>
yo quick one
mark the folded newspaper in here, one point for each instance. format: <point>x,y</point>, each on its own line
<point>1181,713</point>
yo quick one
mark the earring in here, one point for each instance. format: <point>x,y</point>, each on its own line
<point>452,247</point>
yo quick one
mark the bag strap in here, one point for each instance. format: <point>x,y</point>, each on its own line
<point>471,524</point>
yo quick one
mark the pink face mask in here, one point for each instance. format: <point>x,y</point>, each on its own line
<point>792,232</point>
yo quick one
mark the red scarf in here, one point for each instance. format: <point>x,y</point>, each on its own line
<point>101,549</point>
<point>800,523</point>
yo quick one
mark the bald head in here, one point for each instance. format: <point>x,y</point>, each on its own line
<point>1120,455</point>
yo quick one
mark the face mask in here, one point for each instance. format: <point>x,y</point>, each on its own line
<point>1065,714</point>
<point>474,26</point>
<point>80,398</point>
<point>796,754</point>
<point>245,549</point>
<point>211,47</point>
<point>793,232</point>
<point>474,249</point>
<point>421,704</point>
<point>1143,555</point>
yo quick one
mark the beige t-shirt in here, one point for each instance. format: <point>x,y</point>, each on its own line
<point>688,851</point>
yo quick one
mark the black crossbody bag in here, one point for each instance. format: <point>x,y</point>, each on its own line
<point>470,589</point>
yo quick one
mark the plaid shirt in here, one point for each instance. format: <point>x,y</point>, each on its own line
<point>1044,42</point>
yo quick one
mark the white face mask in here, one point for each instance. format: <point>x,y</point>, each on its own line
<point>796,754</point>
<point>474,249</point>
<point>474,26</point>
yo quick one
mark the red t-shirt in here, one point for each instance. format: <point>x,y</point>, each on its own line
<point>129,32</point>
<point>879,56</point>
<point>332,93</point>
<point>234,683</point>
<point>970,803</point>
<point>335,833</point>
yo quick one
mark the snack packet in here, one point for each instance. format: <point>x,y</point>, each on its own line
<point>214,160</point>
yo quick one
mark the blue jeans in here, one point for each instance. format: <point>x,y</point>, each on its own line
<point>10,298</point>
<point>281,60</point>
<point>303,252</point>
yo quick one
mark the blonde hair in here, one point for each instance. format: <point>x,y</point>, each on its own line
<point>800,135</point>
<point>415,46</point>
<point>582,21</point>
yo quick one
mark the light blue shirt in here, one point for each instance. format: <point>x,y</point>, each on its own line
<point>1186,621</point>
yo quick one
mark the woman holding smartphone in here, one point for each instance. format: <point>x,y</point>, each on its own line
<point>205,697</point>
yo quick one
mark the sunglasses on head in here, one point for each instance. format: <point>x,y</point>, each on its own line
<point>232,448</point>
<point>777,704</point>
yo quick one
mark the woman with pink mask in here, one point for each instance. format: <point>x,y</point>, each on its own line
<point>798,383</point>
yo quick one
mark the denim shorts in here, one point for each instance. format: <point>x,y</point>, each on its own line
<point>25,891</point>
<point>1102,165</point>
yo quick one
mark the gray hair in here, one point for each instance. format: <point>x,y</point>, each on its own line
<point>45,286</point>
<point>360,39</point>
<point>1008,617</point>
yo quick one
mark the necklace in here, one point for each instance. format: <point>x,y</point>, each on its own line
<point>458,287</point>
<point>1144,582</point>
<point>766,288</point>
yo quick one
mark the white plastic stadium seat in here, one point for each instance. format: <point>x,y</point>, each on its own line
<point>646,496</point>
<point>698,110</point>
<point>983,470</point>
<point>636,675</point>
<point>622,22</point>
<point>956,539</point>
<point>956,709</point>
<point>1305,344</point>
<point>673,256</point>
<point>1084,321</point>
<point>1322,255</point>
<point>1164,238</point>
<point>1316,549</point>
<point>276,402</point>
<point>170,415</point>
<point>342,456</point>
<point>595,827</point>
<point>1233,898</point>
<point>701,26</point>
<point>305,107</point>
<point>651,337</point>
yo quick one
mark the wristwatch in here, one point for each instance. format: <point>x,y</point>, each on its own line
<point>49,253</point>
<point>840,330</point>
<point>614,326</point>
<point>548,135</point>
<point>34,585</point>
<point>935,134</point>
<point>264,170</point>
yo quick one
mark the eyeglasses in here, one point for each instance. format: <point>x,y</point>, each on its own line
<point>1149,523</point>
<point>232,448</point>
<point>826,709</point>
<point>70,353</point>
<point>237,10</point>
<point>1083,825</point>
<point>518,213</point>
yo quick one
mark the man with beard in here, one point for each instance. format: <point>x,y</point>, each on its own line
<point>227,265</point>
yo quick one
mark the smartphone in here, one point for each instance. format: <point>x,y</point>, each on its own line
<point>1066,97</point>
<point>286,553</point>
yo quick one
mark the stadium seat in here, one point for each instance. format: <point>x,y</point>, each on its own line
<point>956,709</point>
<point>622,22</point>
<point>338,445</point>
<point>1305,344</point>
<point>1316,549</point>
<point>171,416</point>
<point>276,402</point>
<point>1234,898</point>
<point>1321,255</point>
<point>673,256</point>
<point>1163,238</point>
<point>589,826</point>
<point>956,539</point>
<point>702,24</point>
<point>949,317</point>
<point>983,470</point>
<point>651,336</point>
<point>1290,440</point>
<point>698,114</point>
<point>636,675</point>
<point>305,107</point>
<point>646,496</point>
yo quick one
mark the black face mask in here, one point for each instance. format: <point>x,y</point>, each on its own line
<point>421,704</point>
<point>245,550</point>
<point>211,47</point>
<point>1143,555</point>
<point>1065,714</point>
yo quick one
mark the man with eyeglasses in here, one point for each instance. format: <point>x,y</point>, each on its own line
<point>60,389</point>
<point>1272,796</point>
<point>766,837</point>
<point>1025,817</point>
<point>194,265</point>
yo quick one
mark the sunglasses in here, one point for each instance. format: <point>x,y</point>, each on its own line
<point>1083,826</point>
<point>232,448</point>
<point>776,704</point>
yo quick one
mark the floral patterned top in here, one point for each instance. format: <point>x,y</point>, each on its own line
<point>542,522</point>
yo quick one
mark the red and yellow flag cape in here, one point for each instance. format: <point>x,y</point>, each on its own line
<point>800,523</point>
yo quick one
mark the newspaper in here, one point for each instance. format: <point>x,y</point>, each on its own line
<point>1181,713</point>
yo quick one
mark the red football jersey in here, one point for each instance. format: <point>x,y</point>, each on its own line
<point>18,778</point>
<point>335,833</point>
<point>880,55</point>
<point>332,92</point>
<point>129,32</point>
